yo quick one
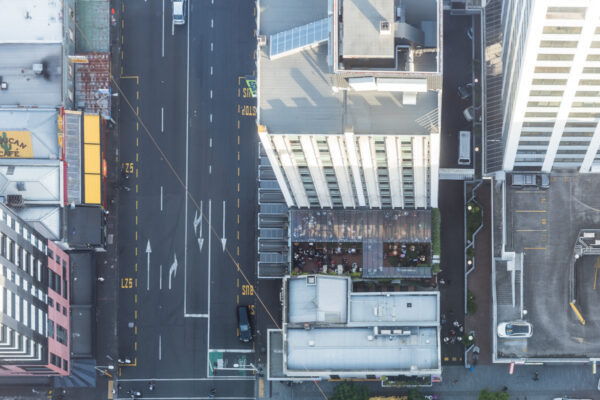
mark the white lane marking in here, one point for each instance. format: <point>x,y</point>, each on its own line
<point>223,240</point>
<point>159,347</point>
<point>200,238</point>
<point>210,142</point>
<point>187,155</point>
<point>232,350</point>
<point>208,291</point>
<point>212,23</point>
<point>210,118</point>
<point>160,278</point>
<point>161,198</point>
<point>211,94</point>
<point>210,169</point>
<point>211,46</point>
<point>211,70</point>
<point>148,252</point>
<point>197,220</point>
<point>162,119</point>
<point>163,29</point>
<point>173,269</point>
<point>196,315</point>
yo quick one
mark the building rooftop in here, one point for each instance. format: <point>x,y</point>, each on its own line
<point>358,331</point>
<point>404,308</point>
<point>36,129</point>
<point>92,84</point>
<point>33,74</point>
<point>365,34</point>
<point>322,301</point>
<point>45,219</point>
<point>31,21</point>
<point>356,349</point>
<point>296,94</point>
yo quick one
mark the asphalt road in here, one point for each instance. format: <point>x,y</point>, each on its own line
<point>188,219</point>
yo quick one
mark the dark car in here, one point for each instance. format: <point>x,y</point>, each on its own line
<point>244,324</point>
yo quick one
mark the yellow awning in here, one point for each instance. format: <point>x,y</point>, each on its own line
<point>91,129</point>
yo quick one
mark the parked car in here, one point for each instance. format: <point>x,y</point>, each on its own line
<point>179,12</point>
<point>244,324</point>
<point>515,330</point>
<point>541,181</point>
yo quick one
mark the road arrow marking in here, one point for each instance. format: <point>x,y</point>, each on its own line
<point>223,239</point>
<point>200,243</point>
<point>148,251</point>
<point>173,269</point>
<point>160,278</point>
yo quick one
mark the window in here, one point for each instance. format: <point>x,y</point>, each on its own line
<point>51,329</point>
<point>61,334</point>
<point>55,360</point>
<point>64,311</point>
<point>58,307</point>
<point>57,258</point>
<point>50,253</point>
<point>50,302</point>
<point>65,365</point>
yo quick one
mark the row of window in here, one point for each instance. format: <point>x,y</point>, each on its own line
<point>19,309</point>
<point>57,361</point>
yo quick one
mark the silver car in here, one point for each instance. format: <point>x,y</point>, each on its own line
<point>515,330</point>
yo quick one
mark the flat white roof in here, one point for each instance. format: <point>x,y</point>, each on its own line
<point>394,308</point>
<point>26,87</point>
<point>42,124</point>
<point>362,37</point>
<point>356,349</point>
<point>321,301</point>
<point>31,21</point>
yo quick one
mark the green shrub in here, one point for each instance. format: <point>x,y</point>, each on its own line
<point>350,391</point>
<point>471,303</point>
<point>436,223</point>
<point>474,219</point>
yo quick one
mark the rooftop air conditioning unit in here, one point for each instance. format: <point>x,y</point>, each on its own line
<point>38,68</point>
<point>385,28</point>
<point>15,200</point>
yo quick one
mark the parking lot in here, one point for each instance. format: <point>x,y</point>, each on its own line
<point>543,225</point>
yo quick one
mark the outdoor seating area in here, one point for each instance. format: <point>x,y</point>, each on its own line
<point>406,254</point>
<point>329,258</point>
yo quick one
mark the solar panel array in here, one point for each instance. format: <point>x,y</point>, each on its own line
<point>298,38</point>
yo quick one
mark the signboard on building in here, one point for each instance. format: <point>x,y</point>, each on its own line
<point>15,144</point>
<point>78,59</point>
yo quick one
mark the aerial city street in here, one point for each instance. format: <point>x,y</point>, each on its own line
<point>299,199</point>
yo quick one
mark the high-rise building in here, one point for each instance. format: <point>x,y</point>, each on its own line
<point>34,301</point>
<point>551,86</point>
<point>349,97</point>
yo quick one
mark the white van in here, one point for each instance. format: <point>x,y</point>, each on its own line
<point>464,148</point>
<point>178,12</point>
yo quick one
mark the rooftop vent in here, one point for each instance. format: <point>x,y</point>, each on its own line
<point>408,305</point>
<point>385,28</point>
<point>15,200</point>
<point>311,280</point>
<point>38,68</point>
<point>21,186</point>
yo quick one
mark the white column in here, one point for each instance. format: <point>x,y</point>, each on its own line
<point>394,164</point>
<point>352,156</point>
<point>526,65</point>
<point>434,168</point>
<point>591,152</point>
<point>419,168</point>
<point>369,168</point>
<point>291,170</point>
<point>266,143</point>
<point>341,171</point>
<point>583,46</point>
<point>311,153</point>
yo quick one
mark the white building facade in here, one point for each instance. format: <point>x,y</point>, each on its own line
<point>551,87</point>
<point>349,114</point>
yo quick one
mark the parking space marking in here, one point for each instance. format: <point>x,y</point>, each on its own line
<point>530,211</point>
<point>531,230</point>
<point>534,248</point>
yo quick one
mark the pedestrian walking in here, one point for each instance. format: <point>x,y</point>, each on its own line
<point>505,389</point>
<point>536,376</point>
<point>443,319</point>
<point>456,323</point>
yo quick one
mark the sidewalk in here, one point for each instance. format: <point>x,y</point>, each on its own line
<point>479,281</point>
